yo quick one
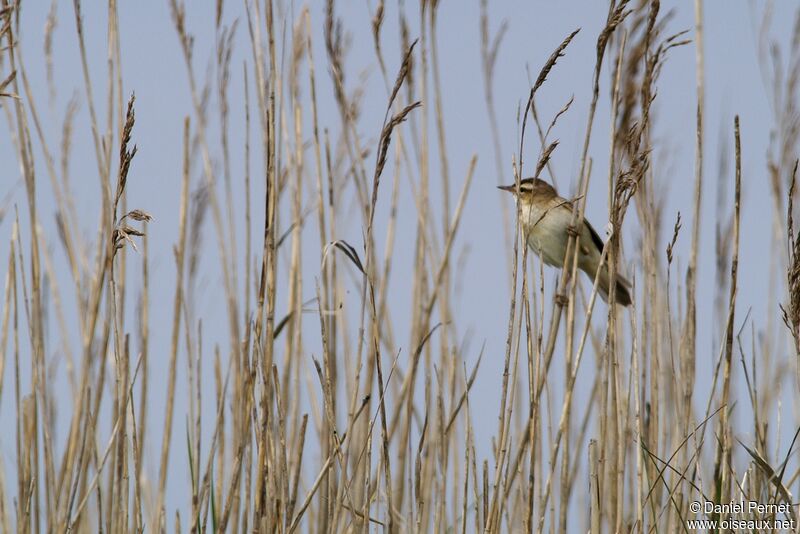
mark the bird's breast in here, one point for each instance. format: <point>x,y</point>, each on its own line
<point>546,231</point>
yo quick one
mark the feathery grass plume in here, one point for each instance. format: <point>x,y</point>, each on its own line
<point>123,232</point>
<point>791,313</point>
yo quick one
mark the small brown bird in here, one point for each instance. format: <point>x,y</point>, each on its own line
<point>545,218</point>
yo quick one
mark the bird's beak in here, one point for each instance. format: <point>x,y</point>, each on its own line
<point>510,188</point>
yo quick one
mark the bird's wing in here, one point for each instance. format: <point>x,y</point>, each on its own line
<point>558,203</point>
<point>595,237</point>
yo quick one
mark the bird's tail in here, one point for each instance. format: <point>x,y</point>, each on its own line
<point>622,289</point>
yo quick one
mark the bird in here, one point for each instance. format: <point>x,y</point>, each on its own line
<point>545,218</point>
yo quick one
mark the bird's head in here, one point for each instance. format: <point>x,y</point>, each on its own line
<point>530,188</point>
